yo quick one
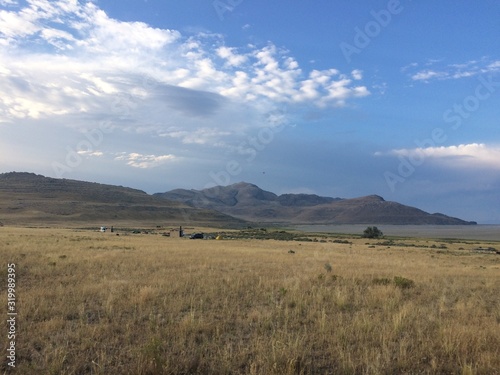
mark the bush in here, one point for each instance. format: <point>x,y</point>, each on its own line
<point>372,232</point>
<point>403,282</point>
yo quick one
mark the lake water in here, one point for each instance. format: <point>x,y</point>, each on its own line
<point>470,232</point>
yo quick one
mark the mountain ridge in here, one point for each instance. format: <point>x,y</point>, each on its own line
<point>31,199</point>
<point>249,202</point>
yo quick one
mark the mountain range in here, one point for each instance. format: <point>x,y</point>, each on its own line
<point>30,199</point>
<point>249,202</point>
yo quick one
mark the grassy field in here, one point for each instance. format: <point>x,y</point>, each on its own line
<point>98,303</point>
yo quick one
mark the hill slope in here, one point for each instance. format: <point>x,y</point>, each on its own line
<point>249,202</point>
<point>29,199</point>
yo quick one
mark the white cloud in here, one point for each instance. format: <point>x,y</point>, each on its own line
<point>329,87</point>
<point>204,136</point>
<point>137,160</point>
<point>452,71</point>
<point>232,58</point>
<point>426,75</point>
<point>66,64</point>
<point>90,153</point>
<point>85,59</point>
<point>106,34</point>
<point>262,74</point>
<point>58,38</point>
<point>474,155</point>
<point>494,65</point>
<point>357,74</point>
<point>15,25</point>
<point>200,136</point>
<point>97,32</point>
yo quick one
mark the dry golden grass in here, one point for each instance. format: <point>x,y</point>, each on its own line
<point>97,303</point>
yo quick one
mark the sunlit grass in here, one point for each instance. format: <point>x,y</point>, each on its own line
<point>97,303</point>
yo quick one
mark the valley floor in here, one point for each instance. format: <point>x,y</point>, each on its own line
<point>471,232</point>
<point>101,303</point>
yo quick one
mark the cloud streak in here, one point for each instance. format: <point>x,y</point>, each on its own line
<point>137,160</point>
<point>433,71</point>
<point>474,155</point>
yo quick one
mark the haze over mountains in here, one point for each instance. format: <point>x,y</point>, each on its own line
<point>29,199</point>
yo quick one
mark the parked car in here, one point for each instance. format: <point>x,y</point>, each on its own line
<point>197,236</point>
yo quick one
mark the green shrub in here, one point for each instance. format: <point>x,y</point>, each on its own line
<point>372,232</point>
<point>403,282</point>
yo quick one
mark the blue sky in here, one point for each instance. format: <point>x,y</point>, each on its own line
<point>338,98</point>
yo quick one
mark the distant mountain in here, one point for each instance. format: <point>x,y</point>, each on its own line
<point>249,202</point>
<point>30,199</point>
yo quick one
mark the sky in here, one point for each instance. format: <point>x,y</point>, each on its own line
<point>341,98</point>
